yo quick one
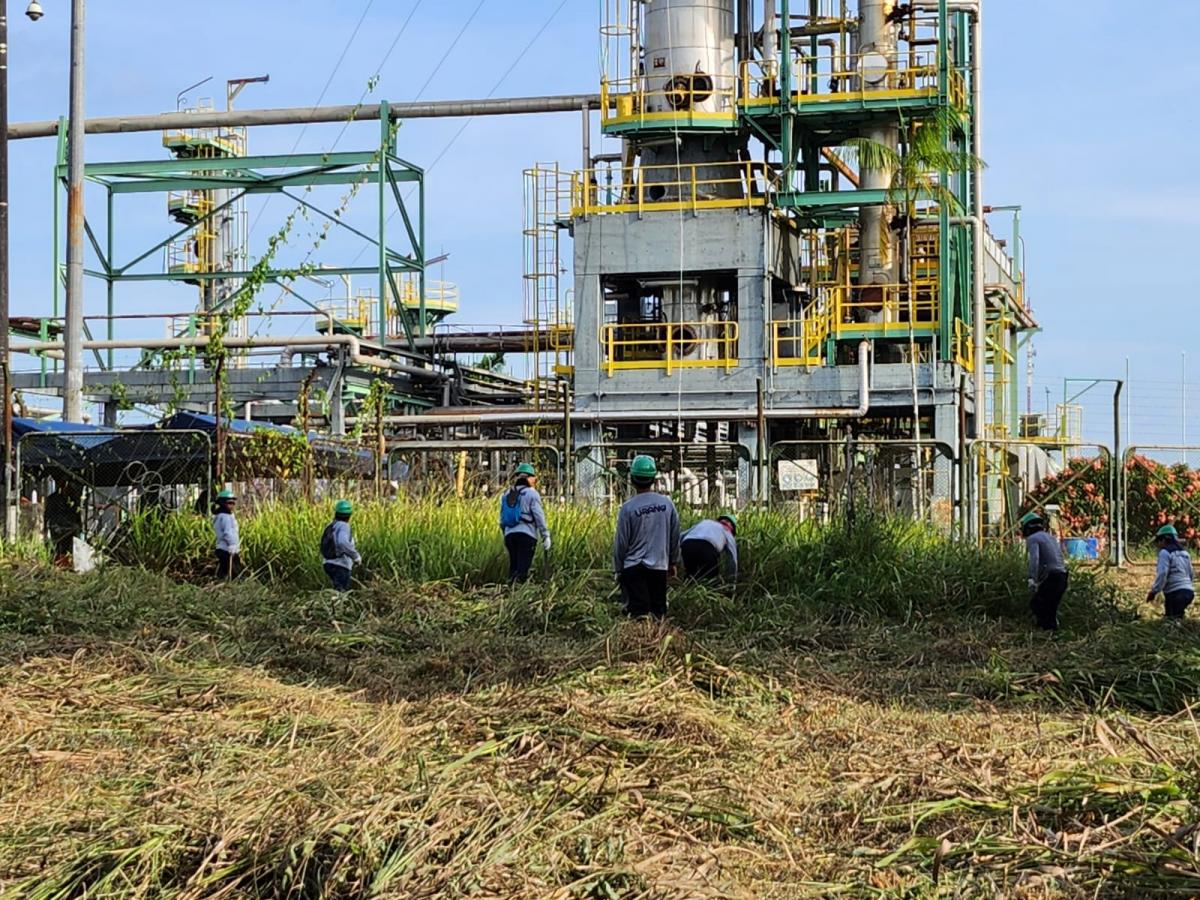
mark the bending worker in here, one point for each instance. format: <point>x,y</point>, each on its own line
<point>337,547</point>
<point>1047,571</point>
<point>523,520</point>
<point>646,546</point>
<point>705,543</point>
<point>1174,578</point>
<point>229,541</point>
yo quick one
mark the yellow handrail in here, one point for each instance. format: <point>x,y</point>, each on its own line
<point>665,345</point>
<point>631,100</point>
<point>671,188</point>
<point>826,79</point>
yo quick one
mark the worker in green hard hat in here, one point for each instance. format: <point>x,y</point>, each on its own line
<point>337,547</point>
<point>1047,571</point>
<point>705,544</point>
<point>1174,578</point>
<point>646,546</point>
<point>522,522</point>
<point>228,539</point>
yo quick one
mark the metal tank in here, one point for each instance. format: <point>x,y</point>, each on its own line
<point>689,61</point>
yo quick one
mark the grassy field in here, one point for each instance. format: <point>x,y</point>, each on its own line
<point>870,715</point>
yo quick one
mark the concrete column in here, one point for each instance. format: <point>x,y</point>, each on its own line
<point>590,484</point>
<point>943,497</point>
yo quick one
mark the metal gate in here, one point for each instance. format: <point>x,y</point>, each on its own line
<point>842,479</point>
<point>1075,485</point>
<point>87,484</point>
<point>470,468</point>
<point>1159,487</point>
<point>707,475</point>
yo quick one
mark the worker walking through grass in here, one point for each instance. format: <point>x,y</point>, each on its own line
<point>228,540</point>
<point>646,546</point>
<point>1174,578</point>
<point>337,547</point>
<point>523,521</point>
<point>1047,571</point>
<point>706,543</point>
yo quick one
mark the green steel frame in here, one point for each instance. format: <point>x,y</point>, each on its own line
<point>259,175</point>
<point>790,128</point>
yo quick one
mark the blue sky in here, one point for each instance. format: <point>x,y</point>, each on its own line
<point>1090,125</point>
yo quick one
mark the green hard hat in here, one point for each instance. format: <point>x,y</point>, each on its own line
<point>343,508</point>
<point>1030,519</point>
<point>730,518</point>
<point>643,468</point>
<point>225,495</point>
<point>526,469</point>
<point>1167,531</point>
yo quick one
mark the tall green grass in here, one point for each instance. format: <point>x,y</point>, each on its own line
<point>879,568</point>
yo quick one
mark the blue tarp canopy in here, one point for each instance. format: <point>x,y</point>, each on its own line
<point>171,452</point>
<point>45,446</point>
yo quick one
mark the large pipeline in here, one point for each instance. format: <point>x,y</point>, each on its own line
<point>533,417</point>
<point>504,106</point>
<point>351,343</point>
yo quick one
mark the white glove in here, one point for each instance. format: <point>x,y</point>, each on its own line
<point>1033,585</point>
<point>546,544</point>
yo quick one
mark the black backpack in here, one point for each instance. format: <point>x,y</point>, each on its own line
<point>329,543</point>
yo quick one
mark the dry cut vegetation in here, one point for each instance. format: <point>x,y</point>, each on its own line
<point>831,730</point>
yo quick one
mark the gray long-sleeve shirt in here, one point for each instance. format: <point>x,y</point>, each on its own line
<point>721,539</point>
<point>647,533</point>
<point>533,515</point>
<point>1174,572</point>
<point>1045,556</point>
<point>344,541</point>
<point>225,527</point>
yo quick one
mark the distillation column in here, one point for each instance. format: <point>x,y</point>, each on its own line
<point>877,45</point>
<point>689,67</point>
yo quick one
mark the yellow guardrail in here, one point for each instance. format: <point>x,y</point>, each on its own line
<point>964,345</point>
<point>899,307</point>
<point>670,346</point>
<point>699,98</point>
<point>800,342</point>
<point>857,77</point>
<point>670,188</point>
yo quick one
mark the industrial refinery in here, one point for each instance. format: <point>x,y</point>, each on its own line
<point>774,264</point>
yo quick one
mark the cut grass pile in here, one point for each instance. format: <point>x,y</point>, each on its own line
<point>817,735</point>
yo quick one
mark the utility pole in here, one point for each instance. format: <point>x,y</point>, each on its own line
<point>73,330</point>
<point>6,482</point>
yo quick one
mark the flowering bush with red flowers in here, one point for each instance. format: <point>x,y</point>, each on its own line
<point>1156,494</point>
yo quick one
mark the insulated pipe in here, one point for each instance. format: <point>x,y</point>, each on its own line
<point>511,106</point>
<point>977,149</point>
<point>770,39</point>
<point>525,417</point>
<point>351,343</point>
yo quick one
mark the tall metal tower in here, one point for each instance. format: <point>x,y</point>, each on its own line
<point>782,251</point>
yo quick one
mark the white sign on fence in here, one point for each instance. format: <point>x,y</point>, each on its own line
<point>799,475</point>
